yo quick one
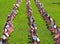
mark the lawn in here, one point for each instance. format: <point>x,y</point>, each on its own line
<point>21,31</point>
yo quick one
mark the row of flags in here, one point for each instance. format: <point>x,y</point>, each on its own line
<point>32,23</point>
<point>51,24</point>
<point>9,27</point>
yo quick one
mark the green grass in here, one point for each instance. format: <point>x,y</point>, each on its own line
<point>20,35</point>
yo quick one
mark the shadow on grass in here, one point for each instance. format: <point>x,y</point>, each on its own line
<point>29,37</point>
<point>28,21</point>
<point>58,3</point>
<point>51,33</point>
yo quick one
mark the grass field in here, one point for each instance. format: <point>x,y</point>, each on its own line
<point>20,35</point>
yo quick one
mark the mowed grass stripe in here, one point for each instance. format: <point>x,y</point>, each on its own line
<point>20,35</point>
<point>43,33</point>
